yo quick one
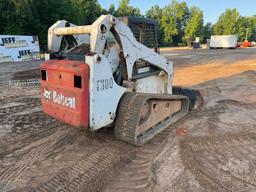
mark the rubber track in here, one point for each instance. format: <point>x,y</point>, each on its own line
<point>129,116</point>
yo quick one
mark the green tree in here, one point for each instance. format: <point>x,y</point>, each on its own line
<point>7,14</point>
<point>194,26</point>
<point>253,37</point>
<point>111,9</point>
<point>207,32</point>
<point>33,17</point>
<point>174,19</point>
<point>85,11</point>
<point>45,13</point>
<point>18,16</point>
<point>168,22</point>
<point>227,22</point>
<point>155,12</point>
<point>124,9</point>
<point>182,15</point>
<point>246,28</point>
<point>176,22</point>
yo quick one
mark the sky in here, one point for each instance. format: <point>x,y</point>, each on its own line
<point>211,8</point>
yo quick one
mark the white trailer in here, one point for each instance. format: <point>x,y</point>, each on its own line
<point>223,41</point>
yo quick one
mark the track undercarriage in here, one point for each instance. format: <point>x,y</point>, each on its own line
<point>142,116</point>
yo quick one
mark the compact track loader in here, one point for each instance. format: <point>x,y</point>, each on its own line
<point>104,75</point>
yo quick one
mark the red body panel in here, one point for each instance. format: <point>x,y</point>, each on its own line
<point>60,98</point>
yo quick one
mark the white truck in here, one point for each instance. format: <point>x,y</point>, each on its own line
<point>223,41</point>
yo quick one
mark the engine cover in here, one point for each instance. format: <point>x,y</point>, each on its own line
<point>65,91</point>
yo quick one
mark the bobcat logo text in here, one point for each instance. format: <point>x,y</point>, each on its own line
<point>60,99</point>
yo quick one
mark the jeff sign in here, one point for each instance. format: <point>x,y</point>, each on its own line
<point>19,48</point>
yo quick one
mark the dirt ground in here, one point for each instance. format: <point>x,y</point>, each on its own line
<point>212,149</point>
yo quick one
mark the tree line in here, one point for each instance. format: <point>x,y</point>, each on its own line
<point>178,24</point>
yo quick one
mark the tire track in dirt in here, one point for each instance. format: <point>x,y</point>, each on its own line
<point>235,103</point>
<point>10,93</point>
<point>90,173</point>
<point>24,116</point>
<point>137,173</point>
<point>19,105</point>
<point>26,156</point>
<point>132,180</point>
<point>27,129</point>
<point>36,136</point>
<point>221,107</point>
<point>209,157</point>
<point>230,181</point>
<point>232,155</point>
